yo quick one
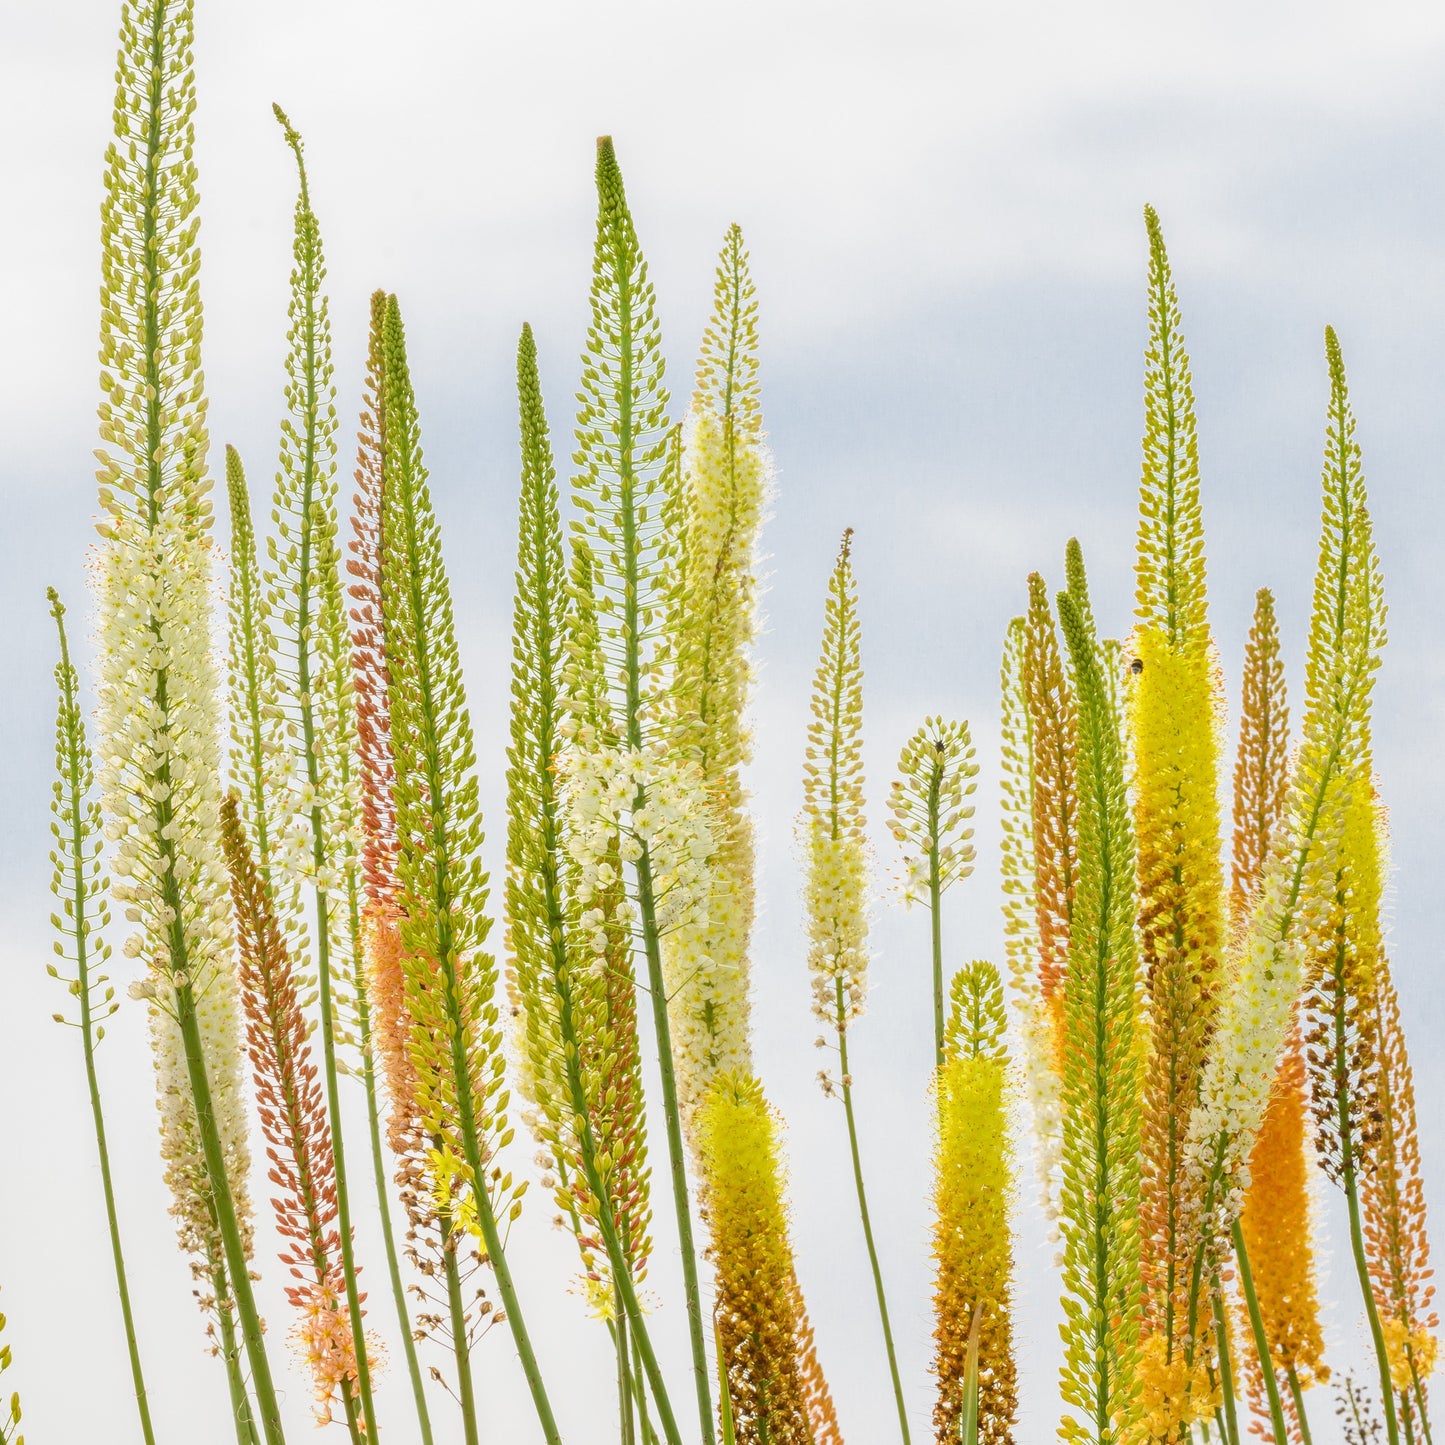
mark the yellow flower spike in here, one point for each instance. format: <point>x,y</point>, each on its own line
<point>1174,737</point>
<point>756,1312</point>
<point>973,1189</point>
<point>725,477</point>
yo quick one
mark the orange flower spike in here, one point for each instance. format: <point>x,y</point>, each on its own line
<point>292,1109</point>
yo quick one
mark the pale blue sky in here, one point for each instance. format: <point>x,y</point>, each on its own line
<point>943,205</point>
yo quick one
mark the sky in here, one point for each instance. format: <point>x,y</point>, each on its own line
<point>943,204</point>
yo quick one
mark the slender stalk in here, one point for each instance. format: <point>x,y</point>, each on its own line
<point>224,1205</point>
<point>241,1416</point>
<point>137,1378</point>
<point>1229,1425</point>
<point>1362,1271</point>
<point>1417,1386</point>
<point>645,1431</point>
<point>1261,1340</point>
<point>1298,1396</point>
<point>847,1085</point>
<point>677,1159</point>
<point>466,1395</point>
<point>626,1423</point>
<point>75,825</point>
<point>383,1204</point>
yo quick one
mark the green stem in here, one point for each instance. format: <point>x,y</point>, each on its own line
<point>78,841</point>
<point>648,1434</point>
<point>626,1423</point>
<point>487,1221</point>
<point>1418,1388</point>
<point>1298,1396</point>
<point>677,1160</point>
<point>863,1214</point>
<point>333,1110</point>
<point>466,1395</point>
<point>1362,1271</point>
<point>241,1416</point>
<point>1261,1340</point>
<point>1230,1427</point>
<point>137,1378</point>
<point>383,1203</point>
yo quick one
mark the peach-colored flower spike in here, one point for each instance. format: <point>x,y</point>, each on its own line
<point>292,1109</point>
<point>1394,1206</point>
<point>1276,1218</point>
<point>1054,714</point>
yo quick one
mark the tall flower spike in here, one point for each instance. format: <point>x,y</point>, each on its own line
<point>305,595</point>
<point>159,746</point>
<point>1100,1066</point>
<point>725,477</point>
<point>836,898</point>
<point>833,821</point>
<point>1393,1197</point>
<point>757,1304</point>
<point>1053,713</point>
<point>1276,1218</point>
<point>1293,913</point>
<point>627,492</point>
<point>1175,739</point>
<point>930,823</point>
<point>76,881</point>
<point>450,980</point>
<point>1261,768</point>
<point>578,1024</point>
<point>973,1190</point>
<point>1021,918</point>
<point>292,1109</point>
<point>260,753</point>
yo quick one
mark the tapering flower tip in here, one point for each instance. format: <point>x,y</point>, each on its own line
<point>757,1299</point>
<point>930,807</point>
<point>973,1195</point>
<point>977,1019</point>
<point>1155,230</point>
<point>293,136</point>
<point>609,173</point>
<point>1077,582</point>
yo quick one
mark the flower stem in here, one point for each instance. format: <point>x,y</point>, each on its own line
<point>863,1215</point>
<point>1298,1396</point>
<point>1230,1415</point>
<point>1261,1340</point>
<point>225,1214</point>
<point>241,1415</point>
<point>626,1424</point>
<point>77,782</point>
<point>137,1378</point>
<point>466,1395</point>
<point>682,1204</point>
<point>383,1204</point>
<point>333,1112</point>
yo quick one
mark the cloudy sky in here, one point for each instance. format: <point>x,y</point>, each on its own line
<point>943,205</point>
